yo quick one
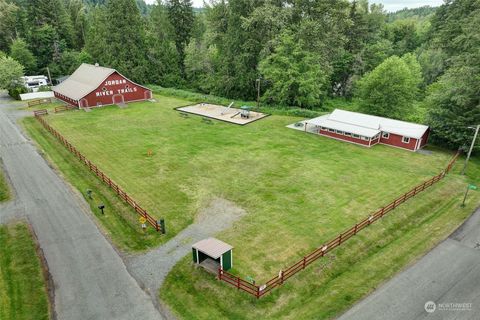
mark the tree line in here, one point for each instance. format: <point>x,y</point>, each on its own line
<point>416,64</point>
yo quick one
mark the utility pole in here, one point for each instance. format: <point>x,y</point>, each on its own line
<point>49,76</point>
<point>471,148</point>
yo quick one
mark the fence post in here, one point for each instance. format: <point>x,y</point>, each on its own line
<point>238,283</point>
<point>304,262</point>
<point>355,230</point>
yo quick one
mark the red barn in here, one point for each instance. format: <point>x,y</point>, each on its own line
<point>94,86</point>
<point>367,130</point>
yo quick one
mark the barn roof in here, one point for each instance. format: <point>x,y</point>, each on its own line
<point>212,247</point>
<point>83,81</point>
<point>367,125</point>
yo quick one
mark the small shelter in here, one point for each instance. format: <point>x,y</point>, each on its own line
<point>212,254</point>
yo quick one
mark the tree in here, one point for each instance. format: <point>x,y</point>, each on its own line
<point>68,62</point>
<point>297,77</point>
<point>8,13</point>
<point>180,15</point>
<point>454,103</point>
<point>162,55</point>
<point>10,72</point>
<point>52,13</point>
<point>48,47</point>
<point>391,88</point>
<point>116,38</point>
<point>77,11</point>
<point>20,52</point>
<point>454,100</point>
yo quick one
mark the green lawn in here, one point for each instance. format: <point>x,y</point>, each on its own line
<point>4,190</point>
<point>22,287</point>
<point>299,190</point>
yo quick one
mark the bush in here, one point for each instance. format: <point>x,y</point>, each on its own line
<point>15,92</point>
<point>44,89</point>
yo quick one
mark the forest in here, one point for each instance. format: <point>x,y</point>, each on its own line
<point>419,65</point>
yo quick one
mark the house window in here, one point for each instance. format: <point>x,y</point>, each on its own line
<point>385,135</point>
<point>339,132</point>
<point>323,128</point>
<point>405,139</point>
<point>365,138</point>
<point>331,130</point>
<point>356,136</point>
<point>348,134</point>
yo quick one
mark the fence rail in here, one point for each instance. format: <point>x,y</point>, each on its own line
<point>64,108</point>
<point>102,176</point>
<point>260,291</point>
<point>39,101</point>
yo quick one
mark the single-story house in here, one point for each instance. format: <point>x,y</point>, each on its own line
<point>367,130</point>
<point>94,86</point>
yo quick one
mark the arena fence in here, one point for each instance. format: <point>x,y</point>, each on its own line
<point>114,186</point>
<point>260,291</point>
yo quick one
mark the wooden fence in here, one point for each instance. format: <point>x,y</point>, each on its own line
<point>64,108</point>
<point>39,101</point>
<point>259,291</point>
<point>115,187</point>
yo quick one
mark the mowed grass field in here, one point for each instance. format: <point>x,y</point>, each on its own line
<point>4,190</point>
<point>23,293</point>
<point>299,191</point>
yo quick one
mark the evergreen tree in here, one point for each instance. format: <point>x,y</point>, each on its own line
<point>20,52</point>
<point>8,14</point>
<point>162,55</point>
<point>119,40</point>
<point>52,13</point>
<point>180,15</point>
<point>454,100</point>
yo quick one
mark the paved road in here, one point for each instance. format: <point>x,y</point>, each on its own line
<point>90,279</point>
<point>450,273</point>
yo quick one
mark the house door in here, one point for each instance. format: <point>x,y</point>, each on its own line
<point>118,99</point>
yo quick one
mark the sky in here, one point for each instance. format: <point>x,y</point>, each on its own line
<point>390,5</point>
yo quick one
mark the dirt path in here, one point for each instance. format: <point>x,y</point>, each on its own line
<point>150,269</point>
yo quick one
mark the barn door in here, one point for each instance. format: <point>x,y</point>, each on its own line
<point>148,95</point>
<point>118,99</point>
<point>83,103</point>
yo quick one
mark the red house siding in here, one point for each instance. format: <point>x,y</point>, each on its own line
<point>115,89</point>
<point>343,137</point>
<point>396,141</point>
<point>425,138</point>
<point>65,99</point>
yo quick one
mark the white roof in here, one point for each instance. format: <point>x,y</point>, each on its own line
<point>324,121</point>
<point>212,247</point>
<point>83,81</point>
<point>367,125</point>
